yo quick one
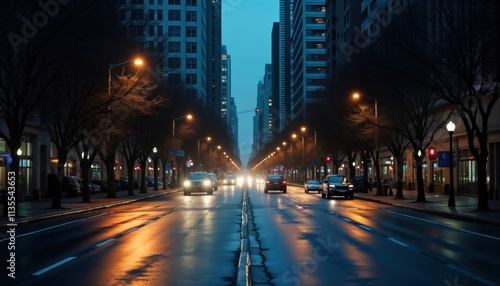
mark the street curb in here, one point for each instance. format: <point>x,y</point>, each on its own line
<point>244,274</point>
<point>82,210</point>
<point>434,212</point>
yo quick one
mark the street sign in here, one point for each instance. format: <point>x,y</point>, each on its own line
<point>179,153</point>
<point>444,159</point>
<point>314,162</point>
<point>171,158</point>
<point>171,153</point>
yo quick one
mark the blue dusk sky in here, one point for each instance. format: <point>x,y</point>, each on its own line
<point>246,31</point>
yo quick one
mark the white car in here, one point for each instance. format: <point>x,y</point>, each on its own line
<point>313,185</point>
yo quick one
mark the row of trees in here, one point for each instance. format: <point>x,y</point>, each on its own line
<point>434,59</point>
<point>56,74</point>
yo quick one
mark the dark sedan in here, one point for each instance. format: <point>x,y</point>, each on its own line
<point>198,182</point>
<point>337,185</point>
<point>275,182</point>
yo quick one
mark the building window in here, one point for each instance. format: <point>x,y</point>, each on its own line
<point>160,15</point>
<point>191,78</point>
<point>174,63</point>
<point>174,47</point>
<point>151,15</point>
<point>190,2</point>
<point>174,78</point>
<point>191,16</point>
<point>191,47</point>
<point>160,30</point>
<point>159,47</point>
<point>137,14</point>
<point>190,31</point>
<point>137,2</point>
<point>174,2</point>
<point>174,31</point>
<point>191,63</point>
<point>174,15</point>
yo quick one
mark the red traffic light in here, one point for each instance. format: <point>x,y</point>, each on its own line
<point>328,159</point>
<point>432,153</point>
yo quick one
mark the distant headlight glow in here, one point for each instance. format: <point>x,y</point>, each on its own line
<point>187,184</point>
<point>207,183</point>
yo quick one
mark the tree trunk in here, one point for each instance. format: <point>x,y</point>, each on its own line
<point>143,185</point>
<point>56,194</point>
<point>482,199</point>
<point>130,172</point>
<point>110,169</point>
<point>399,182</point>
<point>377,173</point>
<point>164,168</point>
<point>420,180</point>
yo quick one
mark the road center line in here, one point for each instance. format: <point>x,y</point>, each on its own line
<point>104,242</point>
<point>443,225</point>
<point>397,241</point>
<point>53,266</point>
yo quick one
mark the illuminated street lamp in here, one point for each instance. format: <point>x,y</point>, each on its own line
<point>303,161</point>
<point>188,116</point>
<point>315,147</point>
<point>109,152</point>
<point>356,96</point>
<point>451,128</point>
<point>207,138</point>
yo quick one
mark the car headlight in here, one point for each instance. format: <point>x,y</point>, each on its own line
<point>187,184</point>
<point>331,187</point>
<point>207,183</point>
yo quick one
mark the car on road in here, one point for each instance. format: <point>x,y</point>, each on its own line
<point>229,180</point>
<point>275,182</point>
<point>337,185</point>
<point>102,185</point>
<point>198,182</point>
<point>313,185</point>
<point>215,182</point>
<point>70,187</point>
<point>358,183</point>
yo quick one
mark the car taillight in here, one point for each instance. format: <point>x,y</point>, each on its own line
<point>75,186</point>
<point>268,182</point>
<point>283,182</point>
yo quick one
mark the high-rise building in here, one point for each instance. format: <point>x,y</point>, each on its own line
<point>308,57</point>
<point>228,106</point>
<point>185,39</point>
<point>284,61</point>
<point>263,120</point>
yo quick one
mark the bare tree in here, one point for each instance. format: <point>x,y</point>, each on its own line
<point>452,51</point>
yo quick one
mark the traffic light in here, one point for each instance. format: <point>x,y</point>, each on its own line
<point>431,153</point>
<point>328,159</point>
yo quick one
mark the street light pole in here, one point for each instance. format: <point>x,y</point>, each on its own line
<point>451,199</point>
<point>110,152</point>
<point>315,148</point>
<point>172,179</point>
<point>303,161</point>
<point>198,162</point>
<point>155,171</point>
<point>377,153</point>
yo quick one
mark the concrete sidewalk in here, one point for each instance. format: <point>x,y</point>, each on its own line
<point>465,206</point>
<point>32,211</point>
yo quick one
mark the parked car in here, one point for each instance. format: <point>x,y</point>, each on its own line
<point>70,187</point>
<point>275,182</point>
<point>229,180</point>
<point>198,182</point>
<point>358,183</point>
<point>337,185</point>
<point>102,185</point>
<point>312,185</point>
<point>215,182</point>
<point>95,188</point>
